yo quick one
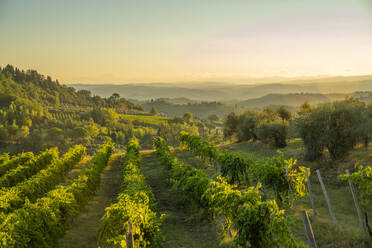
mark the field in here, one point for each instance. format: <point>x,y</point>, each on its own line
<point>145,120</point>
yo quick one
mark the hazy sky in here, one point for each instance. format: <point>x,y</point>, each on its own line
<point>109,41</point>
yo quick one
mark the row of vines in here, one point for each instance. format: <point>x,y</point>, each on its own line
<point>258,223</point>
<point>28,168</point>
<point>42,223</point>
<point>14,197</point>
<point>275,173</point>
<point>135,203</point>
<point>281,176</point>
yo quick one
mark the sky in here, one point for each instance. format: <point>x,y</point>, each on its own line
<point>138,41</point>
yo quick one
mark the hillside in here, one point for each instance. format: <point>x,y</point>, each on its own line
<point>225,92</point>
<point>16,84</point>
<point>176,107</point>
<point>293,100</point>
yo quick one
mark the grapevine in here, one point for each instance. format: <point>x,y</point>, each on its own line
<point>40,183</point>
<point>363,179</point>
<point>42,223</point>
<point>135,203</point>
<point>287,182</point>
<point>28,169</point>
<point>258,223</point>
<point>15,161</point>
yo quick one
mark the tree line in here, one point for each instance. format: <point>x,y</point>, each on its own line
<point>336,127</point>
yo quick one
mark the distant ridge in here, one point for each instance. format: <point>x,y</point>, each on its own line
<point>227,92</point>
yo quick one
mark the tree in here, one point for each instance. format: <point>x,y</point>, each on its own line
<point>230,125</point>
<point>116,96</point>
<point>270,113</point>
<point>213,117</point>
<point>247,126</point>
<point>305,107</point>
<point>274,133</point>
<point>154,111</point>
<point>344,127</point>
<point>188,117</point>
<point>284,113</point>
<point>336,126</point>
<point>311,128</point>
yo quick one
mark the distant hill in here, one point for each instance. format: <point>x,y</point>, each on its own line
<point>176,101</point>
<point>203,109</point>
<point>227,92</point>
<point>292,100</point>
<point>174,107</point>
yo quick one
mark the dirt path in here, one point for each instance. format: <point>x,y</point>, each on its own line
<point>178,231</point>
<point>84,229</point>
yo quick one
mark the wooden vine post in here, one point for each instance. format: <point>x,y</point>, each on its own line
<point>356,202</point>
<point>326,197</point>
<point>290,187</point>
<point>310,193</point>
<point>129,238</point>
<point>308,229</point>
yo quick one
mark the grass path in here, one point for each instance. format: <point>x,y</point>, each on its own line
<point>84,228</point>
<point>177,229</point>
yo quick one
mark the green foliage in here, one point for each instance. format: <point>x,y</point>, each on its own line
<point>199,147</point>
<point>104,116</point>
<point>276,173</point>
<point>234,166</point>
<point>154,111</point>
<point>167,158</point>
<point>230,126</point>
<point>363,179</point>
<point>213,117</point>
<point>29,168</point>
<point>179,106</point>
<point>15,161</point>
<point>4,158</point>
<point>337,127</point>
<point>40,183</point>
<point>136,203</point>
<point>170,132</point>
<point>37,113</point>
<point>274,133</point>
<point>269,126</point>
<point>279,174</point>
<point>37,88</point>
<point>258,223</point>
<point>42,223</point>
<point>188,117</point>
<point>284,113</point>
<point>144,120</point>
<point>247,126</point>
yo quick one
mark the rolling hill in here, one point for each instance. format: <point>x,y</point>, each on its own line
<point>228,92</point>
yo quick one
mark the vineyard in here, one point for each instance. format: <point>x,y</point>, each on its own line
<point>34,216</point>
<point>78,170</point>
<point>185,124</point>
<point>173,198</point>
